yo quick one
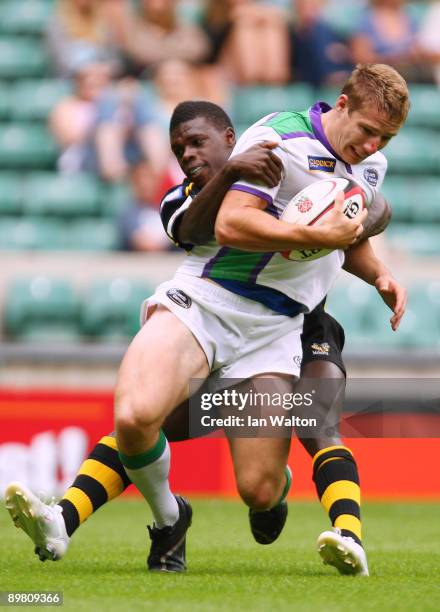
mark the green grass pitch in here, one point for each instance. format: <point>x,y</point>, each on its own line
<point>105,566</point>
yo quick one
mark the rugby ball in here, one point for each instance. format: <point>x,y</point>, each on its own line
<point>314,202</point>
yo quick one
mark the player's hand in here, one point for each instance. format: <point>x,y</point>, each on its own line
<point>339,231</point>
<point>395,297</point>
<point>258,163</point>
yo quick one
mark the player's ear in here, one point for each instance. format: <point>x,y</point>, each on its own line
<point>230,136</point>
<point>342,102</point>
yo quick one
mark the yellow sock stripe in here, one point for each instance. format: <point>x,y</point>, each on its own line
<point>341,489</point>
<point>330,459</point>
<point>109,441</point>
<point>108,478</point>
<point>81,501</point>
<point>350,522</point>
<point>329,448</point>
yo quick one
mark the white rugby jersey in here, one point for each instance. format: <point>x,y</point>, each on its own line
<point>285,286</point>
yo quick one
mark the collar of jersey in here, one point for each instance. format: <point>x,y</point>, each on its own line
<point>316,112</point>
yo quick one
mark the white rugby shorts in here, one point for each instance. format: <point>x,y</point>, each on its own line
<point>240,337</point>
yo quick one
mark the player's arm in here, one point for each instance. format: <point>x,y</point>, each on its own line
<point>361,261</point>
<point>258,164</point>
<point>379,217</point>
<point>243,223</point>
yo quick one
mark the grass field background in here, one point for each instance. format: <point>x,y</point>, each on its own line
<point>105,566</point>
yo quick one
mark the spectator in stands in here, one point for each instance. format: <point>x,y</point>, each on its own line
<point>429,38</point>
<point>319,56</point>
<point>73,119</point>
<point>139,224</point>
<point>173,82</point>
<point>127,126</point>
<point>80,26</point>
<point>250,40</point>
<point>133,119</point>
<point>155,34</point>
<point>388,34</point>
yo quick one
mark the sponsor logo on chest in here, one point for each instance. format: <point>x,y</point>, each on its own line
<point>323,164</point>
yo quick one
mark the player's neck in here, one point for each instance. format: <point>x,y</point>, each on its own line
<point>328,124</point>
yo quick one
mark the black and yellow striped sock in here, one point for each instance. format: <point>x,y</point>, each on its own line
<point>100,478</point>
<point>336,478</point>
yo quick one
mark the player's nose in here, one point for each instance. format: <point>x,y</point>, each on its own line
<point>372,145</point>
<point>188,153</point>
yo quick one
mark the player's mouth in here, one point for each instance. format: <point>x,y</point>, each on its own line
<point>193,172</point>
<point>356,155</point>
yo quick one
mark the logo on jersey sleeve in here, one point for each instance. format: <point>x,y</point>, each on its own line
<point>179,297</point>
<point>324,164</point>
<point>320,348</point>
<point>371,176</point>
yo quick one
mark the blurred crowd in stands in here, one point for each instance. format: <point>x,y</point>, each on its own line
<point>131,61</point>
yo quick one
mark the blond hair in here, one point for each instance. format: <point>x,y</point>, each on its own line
<point>379,85</point>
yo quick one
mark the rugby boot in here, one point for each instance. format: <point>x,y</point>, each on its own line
<point>167,552</point>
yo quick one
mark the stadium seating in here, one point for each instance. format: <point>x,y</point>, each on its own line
<point>328,94</point>
<point>5,100</point>
<point>252,103</point>
<point>366,318</point>
<point>32,100</point>
<point>91,235</point>
<point>22,57</point>
<point>114,198</point>
<point>420,240</point>
<point>25,16</point>
<point>26,146</point>
<point>24,234</point>
<point>10,194</point>
<point>41,309</point>
<point>415,200</point>
<point>110,308</point>
<point>425,106</point>
<point>414,151</point>
<point>48,193</point>
<point>345,19</point>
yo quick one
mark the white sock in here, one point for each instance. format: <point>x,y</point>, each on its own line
<point>152,481</point>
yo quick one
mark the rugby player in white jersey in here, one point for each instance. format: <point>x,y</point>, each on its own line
<point>345,140</point>
<point>158,494</point>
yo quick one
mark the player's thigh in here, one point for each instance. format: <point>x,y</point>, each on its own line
<point>158,365</point>
<point>258,459</point>
<point>262,458</point>
<point>327,381</point>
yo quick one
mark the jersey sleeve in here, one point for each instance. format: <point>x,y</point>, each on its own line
<point>254,135</point>
<point>373,173</point>
<point>172,208</point>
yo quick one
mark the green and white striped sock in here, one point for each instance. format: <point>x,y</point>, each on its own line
<point>149,472</point>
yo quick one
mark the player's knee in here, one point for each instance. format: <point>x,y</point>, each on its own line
<point>131,414</point>
<point>259,492</point>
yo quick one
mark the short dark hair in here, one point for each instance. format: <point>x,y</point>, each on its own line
<point>189,110</point>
